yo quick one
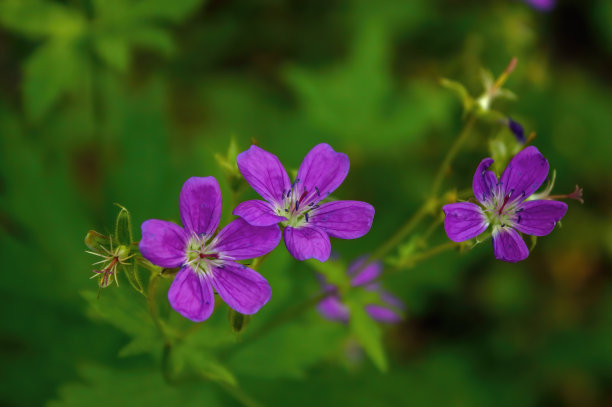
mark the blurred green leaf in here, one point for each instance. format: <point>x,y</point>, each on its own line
<point>368,334</point>
<point>135,387</point>
<point>296,346</point>
<point>40,18</point>
<point>114,51</point>
<point>50,72</point>
<point>127,311</point>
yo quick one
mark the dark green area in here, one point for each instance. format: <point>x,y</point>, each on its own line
<point>120,101</point>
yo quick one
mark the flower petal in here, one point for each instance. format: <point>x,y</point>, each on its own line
<point>538,218</point>
<point>191,295</point>
<point>265,173</point>
<point>383,314</point>
<point>392,300</point>
<point>524,173</point>
<point>307,242</point>
<point>344,219</point>
<point>333,309</point>
<point>463,221</point>
<point>200,205</point>
<point>508,245</point>
<point>257,213</point>
<point>321,172</point>
<point>484,181</point>
<point>240,240</point>
<point>163,243</point>
<point>363,275</point>
<point>242,289</point>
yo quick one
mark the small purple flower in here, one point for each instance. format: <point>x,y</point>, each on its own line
<point>208,262</point>
<point>542,5</point>
<point>308,225</point>
<point>506,206</point>
<point>332,308</point>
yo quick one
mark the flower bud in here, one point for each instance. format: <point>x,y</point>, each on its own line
<point>237,320</point>
<point>123,227</point>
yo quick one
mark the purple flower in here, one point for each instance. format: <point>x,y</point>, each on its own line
<point>506,206</point>
<point>308,225</point>
<point>542,5</point>
<point>332,308</point>
<point>208,262</point>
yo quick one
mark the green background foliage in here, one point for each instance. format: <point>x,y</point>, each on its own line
<point>120,101</point>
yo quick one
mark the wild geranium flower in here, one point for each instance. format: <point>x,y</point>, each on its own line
<point>307,224</point>
<point>208,262</point>
<point>332,308</point>
<point>506,205</point>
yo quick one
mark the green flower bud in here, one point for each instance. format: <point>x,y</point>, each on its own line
<point>237,320</point>
<point>123,227</point>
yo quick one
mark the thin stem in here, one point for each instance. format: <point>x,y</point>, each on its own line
<point>450,156</point>
<point>401,233</point>
<point>152,305</point>
<point>412,261</point>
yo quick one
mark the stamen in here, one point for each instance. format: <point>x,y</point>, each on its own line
<point>318,192</point>
<point>306,216</point>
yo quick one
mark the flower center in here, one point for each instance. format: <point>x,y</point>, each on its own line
<point>297,205</point>
<point>502,210</point>
<point>200,257</point>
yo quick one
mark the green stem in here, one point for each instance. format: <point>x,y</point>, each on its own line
<point>401,233</point>
<point>450,156</point>
<point>152,305</point>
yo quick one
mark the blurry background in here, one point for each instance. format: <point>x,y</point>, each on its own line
<point>105,101</point>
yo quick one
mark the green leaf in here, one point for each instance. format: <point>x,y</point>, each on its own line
<point>114,51</point>
<point>460,91</point>
<point>127,311</point>
<point>288,350</point>
<point>368,334</point>
<point>191,358</point>
<point>152,38</point>
<point>123,227</point>
<point>174,11</point>
<point>52,70</point>
<point>135,387</point>
<point>38,19</point>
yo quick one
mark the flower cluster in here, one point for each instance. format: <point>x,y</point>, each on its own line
<point>302,213</point>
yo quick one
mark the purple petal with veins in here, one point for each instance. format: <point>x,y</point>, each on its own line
<point>257,213</point>
<point>239,240</point>
<point>163,243</point>
<point>463,221</point>
<point>322,171</point>
<point>200,205</point>
<point>344,219</point>
<point>508,245</point>
<point>524,174</point>
<point>242,289</point>
<point>265,173</point>
<point>307,242</point>
<point>484,182</point>
<point>539,217</point>
<point>191,295</point>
